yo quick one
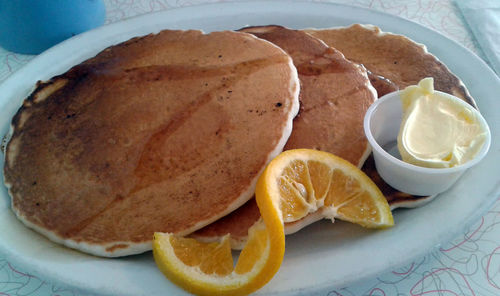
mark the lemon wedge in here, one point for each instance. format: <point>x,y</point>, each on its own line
<point>207,268</point>
<point>309,180</point>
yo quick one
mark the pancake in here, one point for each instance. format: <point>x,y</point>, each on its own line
<point>394,57</point>
<point>393,62</point>
<point>335,94</point>
<point>166,132</point>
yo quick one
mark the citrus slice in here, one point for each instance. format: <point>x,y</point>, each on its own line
<point>309,180</point>
<point>294,184</point>
<point>207,268</point>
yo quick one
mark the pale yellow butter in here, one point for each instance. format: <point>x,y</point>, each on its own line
<point>437,131</point>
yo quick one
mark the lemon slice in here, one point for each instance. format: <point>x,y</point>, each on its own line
<point>294,184</point>
<point>207,268</point>
<point>309,180</point>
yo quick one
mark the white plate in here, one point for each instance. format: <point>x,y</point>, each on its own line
<point>319,258</point>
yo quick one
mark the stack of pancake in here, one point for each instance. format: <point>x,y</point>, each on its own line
<point>169,132</point>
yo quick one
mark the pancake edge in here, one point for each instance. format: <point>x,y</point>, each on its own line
<point>416,202</point>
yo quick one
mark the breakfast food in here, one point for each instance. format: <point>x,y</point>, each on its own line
<point>394,57</point>
<point>166,132</point>
<point>169,132</point>
<point>335,94</point>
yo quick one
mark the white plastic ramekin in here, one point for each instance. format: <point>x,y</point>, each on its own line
<point>381,124</point>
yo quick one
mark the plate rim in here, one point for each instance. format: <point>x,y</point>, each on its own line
<point>202,8</point>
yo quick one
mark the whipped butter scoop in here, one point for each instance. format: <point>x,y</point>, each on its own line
<point>440,137</point>
<point>438,130</point>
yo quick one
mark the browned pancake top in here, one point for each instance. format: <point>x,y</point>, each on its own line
<point>162,133</point>
<point>395,57</point>
<point>335,94</point>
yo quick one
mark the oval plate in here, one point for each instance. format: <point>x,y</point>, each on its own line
<point>322,256</point>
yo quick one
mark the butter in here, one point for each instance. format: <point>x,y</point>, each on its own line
<point>437,131</point>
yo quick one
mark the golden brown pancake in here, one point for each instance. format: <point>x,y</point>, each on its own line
<point>335,94</point>
<point>395,57</point>
<point>166,132</point>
